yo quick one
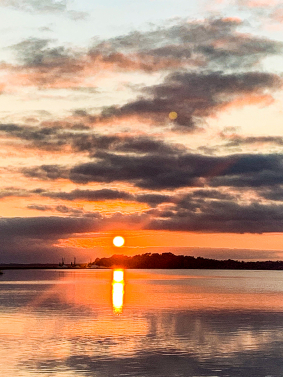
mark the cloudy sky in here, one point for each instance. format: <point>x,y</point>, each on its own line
<point>157,120</point>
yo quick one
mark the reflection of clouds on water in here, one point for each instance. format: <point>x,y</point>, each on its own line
<point>168,363</point>
<point>176,344</point>
<point>166,330</point>
<point>216,334</point>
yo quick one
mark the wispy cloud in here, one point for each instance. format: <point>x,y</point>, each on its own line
<point>37,5</point>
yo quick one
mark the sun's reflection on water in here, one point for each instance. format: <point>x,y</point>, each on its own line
<point>118,284</point>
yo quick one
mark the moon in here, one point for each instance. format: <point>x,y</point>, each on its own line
<point>118,241</point>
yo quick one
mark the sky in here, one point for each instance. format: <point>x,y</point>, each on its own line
<point>158,120</point>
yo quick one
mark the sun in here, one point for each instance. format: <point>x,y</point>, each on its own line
<point>118,241</point>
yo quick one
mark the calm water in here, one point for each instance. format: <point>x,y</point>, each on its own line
<point>154,323</point>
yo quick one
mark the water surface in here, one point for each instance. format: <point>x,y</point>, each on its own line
<point>153,323</point>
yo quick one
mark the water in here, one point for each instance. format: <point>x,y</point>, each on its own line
<point>153,323</point>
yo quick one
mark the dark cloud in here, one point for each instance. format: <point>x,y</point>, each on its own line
<point>37,239</point>
<point>154,199</point>
<point>50,138</point>
<point>39,207</point>
<point>144,171</point>
<point>235,140</point>
<point>212,194</point>
<point>154,171</point>
<point>45,227</point>
<point>59,208</point>
<point>33,239</point>
<point>36,52</point>
<point>225,253</point>
<point>223,217</point>
<point>151,199</point>
<point>194,96</point>
<point>91,195</point>
<point>82,139</point>
<point>123,144</point>
<point>272,193</point>
<point>208,43</point>
<point>185,170</point>
<point>13,192</point>
<point>47,65</point>
<point>211,44</point>
<point>46,172</point>
<point>70,210</point>
<point>254,170</point>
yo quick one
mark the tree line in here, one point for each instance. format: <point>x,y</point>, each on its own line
<point>172,261</point>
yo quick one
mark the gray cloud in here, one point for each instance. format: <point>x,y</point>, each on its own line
<point>13,191</point>
<point>151,199</point>
<point>35,240</point>
<point>154,199</point>
<point>225,253</point>
<point>42,6</point>
<point>235,140</point>
<point>185,170</point>
<point>39,207</point>
<point>212,194</point>
<point>45,227</point>
<point>59,208</point>
<point>72,211</point>
<point>154,171</point>
<point>222,216</point>
<point>91,195</point>
<point>36,52</point>
<point>211,44</point>
<point>46,172</point>
<point>272,193</point>
<point>194,96</point>
<point>82,139</point>
<point>208,43</point>
<point>46,64</point>
<point>144,171</point>
<point>45,6</point>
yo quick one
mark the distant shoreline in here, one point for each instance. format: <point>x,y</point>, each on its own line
<point>43,266</point>
<point>152,261</point>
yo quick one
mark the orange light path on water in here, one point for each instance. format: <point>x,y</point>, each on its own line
<point>118,284</point>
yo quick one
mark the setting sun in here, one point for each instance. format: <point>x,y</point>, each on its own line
<point>118,241</point>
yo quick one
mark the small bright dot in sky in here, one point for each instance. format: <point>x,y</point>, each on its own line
<point>118,241</point>
<point>173,115</point>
